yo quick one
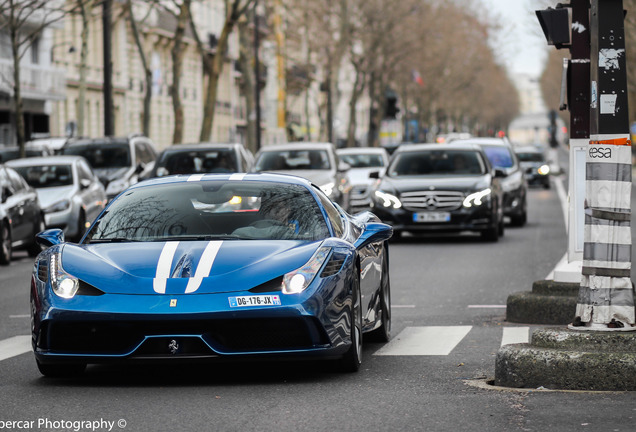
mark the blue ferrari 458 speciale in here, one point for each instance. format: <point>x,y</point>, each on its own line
<point>212,266</point>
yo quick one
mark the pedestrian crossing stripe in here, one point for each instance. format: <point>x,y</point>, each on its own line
<point>14,346</point>
<point>440,341</point>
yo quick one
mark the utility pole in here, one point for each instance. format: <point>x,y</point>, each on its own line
<point>606,296</point>
<point>109,127</point>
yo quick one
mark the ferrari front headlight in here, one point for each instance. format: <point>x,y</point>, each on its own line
<point>298,280</point>
<point>63,284</point>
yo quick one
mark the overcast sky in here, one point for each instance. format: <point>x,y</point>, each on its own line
<point>520,40</point>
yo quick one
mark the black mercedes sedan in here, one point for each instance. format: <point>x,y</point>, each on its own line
<point>441,188</point>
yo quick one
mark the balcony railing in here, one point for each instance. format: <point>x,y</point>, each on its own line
<point>36,82</point>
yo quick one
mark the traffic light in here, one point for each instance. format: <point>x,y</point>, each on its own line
<point>556,25</point>
<point>391,109</point>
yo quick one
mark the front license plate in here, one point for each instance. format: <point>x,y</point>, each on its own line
<point>247,301</point>
<point>432,217</point>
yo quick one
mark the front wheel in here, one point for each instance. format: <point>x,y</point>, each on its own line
<point>5,243</point>
<point>352,359</point>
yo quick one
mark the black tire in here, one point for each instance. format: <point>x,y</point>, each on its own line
<point>519,220</point>
<point>5,243</point>
<point>383,333</point>
<point>34,248</point>
<point>61,370</point>
<point>352,359</point>
<point>491,234</point>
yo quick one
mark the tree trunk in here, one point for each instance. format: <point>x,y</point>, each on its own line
<point>85,8</point>
<point>17,93</point>
<point>147,71</point>
<point>358,88</point>
<point>177,66</point>
<point>248,85</point>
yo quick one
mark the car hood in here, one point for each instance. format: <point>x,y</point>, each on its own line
<point>317,177</point>
<point>107,175</point>
<point>526,165</point>
<point>52,195</point>
<point>452,183</point>
<point>132,268</point>
<point>361,175</point>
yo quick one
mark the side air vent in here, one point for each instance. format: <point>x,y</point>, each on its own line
<point>43,270</point>
<point>88,290</point>
<point>273,285</point>
<point>333,266</point>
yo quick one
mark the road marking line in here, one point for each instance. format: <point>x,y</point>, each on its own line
<point>425,341</point>
<point>403,306</point>
<point>486,306</point>
<point>513,335</point>
<point>20,316</point>
<point>14,346</point>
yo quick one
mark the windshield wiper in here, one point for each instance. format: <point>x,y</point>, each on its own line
<point>113,240</point>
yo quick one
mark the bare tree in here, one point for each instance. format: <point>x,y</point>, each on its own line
<point>213,63</point>
<point>24,21</point>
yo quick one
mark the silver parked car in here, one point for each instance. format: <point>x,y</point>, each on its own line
<point>70,194</point>
<point>317,162</point>
<point>363,161</point>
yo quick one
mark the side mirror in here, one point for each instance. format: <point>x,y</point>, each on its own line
<point>499,173</point>
<point>374,175</point>
<point>140,168</point>
<point>85,183</point>
<point>374,232</point>
<point>6,193</point>
<point>50,237</point>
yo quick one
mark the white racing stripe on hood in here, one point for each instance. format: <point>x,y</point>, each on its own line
<point>195,177</point>
<point>204,266</point>
<point>163,266</point>
<point>237,176</point>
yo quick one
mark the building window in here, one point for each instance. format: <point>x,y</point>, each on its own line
<point>35,51</point>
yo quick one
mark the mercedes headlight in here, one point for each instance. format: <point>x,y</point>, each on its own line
<point>328,188</point>
<point>58,206</point>
<point>544,170</point>
<point>63,284</point>
<point>477,198</point>
<point>117,186</point>
<point>298,280</point>
<point>388,200</point>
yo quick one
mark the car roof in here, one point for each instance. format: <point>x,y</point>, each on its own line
<point>300,145</point>
<point>97,141</point>
<point>484,141</point>
<point>200,146</point>
<point>44,160</point>
<point>262,177</point>
<point>362,150</point>
<point>455,145</point>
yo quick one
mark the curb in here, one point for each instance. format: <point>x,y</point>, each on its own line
<point>549,302</point>
<point>569,360</point>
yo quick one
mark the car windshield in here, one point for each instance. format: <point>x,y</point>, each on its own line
<point>530,157</point>
<point>44,176</point>
<point>12,154</point>
<point>499,156</point>
<point>212,210</point>
<point>293,160</point>
<point>196,161</point>
<point>363,160</point>
<point>437,162</point>
<point>102,156</point>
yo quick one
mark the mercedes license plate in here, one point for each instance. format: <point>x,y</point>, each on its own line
<point>261,300</point>
<point>431,217</point>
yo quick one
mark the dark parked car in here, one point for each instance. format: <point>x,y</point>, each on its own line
<point>317,162</point>
<point>20,215</point>
<point>203,158</point>
<point>535,165</point>
<point>118,162</point>
<point>515,188</point>
<point>441,188</point>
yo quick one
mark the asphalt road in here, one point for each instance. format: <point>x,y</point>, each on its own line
<point>449,296</point>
